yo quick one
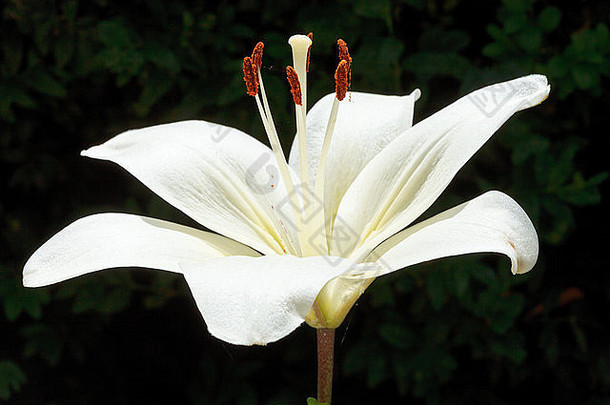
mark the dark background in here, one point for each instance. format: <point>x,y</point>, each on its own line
<point>456,331</point>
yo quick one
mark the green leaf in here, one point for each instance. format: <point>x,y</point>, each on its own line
<point>549,18</point>
<point>355,359</point>
<point>517,6</point>
<point>500,311</point>
<point>484,273</point>
<point>44,83</point>
<point>458,281</point>
<point>11,378</point>
<point>42,340</point>
<point>416,4</point>
<point>42,36</point>
<point>156,85</point>
<point>558,66</point>
<point>435,290</point>
<point>377,371</point>
<point>100,297</point>
<point>313,401</point>
<point>396,335</point>
<point>530,38</point>
<point>494,50</point>
<point>511,350</point>
<point>428,64</point>
<point>439,40</point>
<point>583,192</point>
<point>379,9</point>
<point>113,34</point>
<point>70,9</point>
<point>515,23</point>
<point>12,47</point>
<point>64,49</point>
<point>381,294</point>
<point>585,76</point>
<point>162,57</point>
<point>18,299</point>
<point>381,57</point>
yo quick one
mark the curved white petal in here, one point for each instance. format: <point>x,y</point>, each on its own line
<point>104,241</point>
<point>366,123</point>
<point>403,180</point>
<point>248,301</point>
<point>219,176</point>
<point>492,222</point>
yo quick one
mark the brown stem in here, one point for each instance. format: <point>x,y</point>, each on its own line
<point>326,348</point>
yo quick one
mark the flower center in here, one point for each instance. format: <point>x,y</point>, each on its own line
<point>312,222</point>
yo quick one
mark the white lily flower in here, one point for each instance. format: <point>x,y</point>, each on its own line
<point>301,240</point>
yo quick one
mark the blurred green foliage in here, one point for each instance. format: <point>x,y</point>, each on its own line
<point>461,330</point>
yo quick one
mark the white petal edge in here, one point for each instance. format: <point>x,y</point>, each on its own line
<point>490,223</point>
<point>255,301</point>
<point>219,176</point>
<point>103,241</point>
<point>404,179</point>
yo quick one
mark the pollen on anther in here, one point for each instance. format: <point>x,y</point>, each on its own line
<point>295,85</point>
<point>257,56</point>
<point>345,56</point>
<point>250,77</point>
<point>344,52</point>
<point>341,83</point>
<point>310,36</point>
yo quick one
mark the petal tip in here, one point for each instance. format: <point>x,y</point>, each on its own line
<point>28,283</point>
<point>93,152</point>
<point>533,89</point>
<point>29,280</point>
<point>416,94</point>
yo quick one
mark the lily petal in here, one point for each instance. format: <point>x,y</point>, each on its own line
<point>104,241</point>
<point>403,180</point>
<point>248,301</point>
<point>492,222</point>
<point>222,178</point>
<point>366,123</point>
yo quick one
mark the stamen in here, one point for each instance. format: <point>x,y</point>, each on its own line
<point>341,84</point>
<point>344,55</point>
<point>257,56</point>
<point>344,52</point>
<point>321,173</point>
<point>295,85</point>
<point>310,36</point>
<point>276,148</point>
<point>250,77</point>
<point>253,78</point>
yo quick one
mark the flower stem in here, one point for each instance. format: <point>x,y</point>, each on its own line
<point>326,348</point>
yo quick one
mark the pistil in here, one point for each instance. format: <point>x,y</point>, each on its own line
<point>300,45</point>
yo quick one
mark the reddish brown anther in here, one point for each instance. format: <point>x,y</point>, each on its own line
<point>341,84</point>
<point>310,36</point>
<point>295,85</point>
<point>344,56</point>
<point>250,77</point>
<point>344,53</point>
<point>257,56</point>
